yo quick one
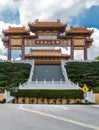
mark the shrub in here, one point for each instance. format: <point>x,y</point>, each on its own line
<point>11,74</point>
<point>83,73</point>
<point>49,93</point>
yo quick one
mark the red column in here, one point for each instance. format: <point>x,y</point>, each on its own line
<point>85,49</point>
<point>72,49</point>
<point>23,49</point>
<point>9,49</point>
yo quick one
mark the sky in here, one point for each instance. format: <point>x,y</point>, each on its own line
<point>77,13</point>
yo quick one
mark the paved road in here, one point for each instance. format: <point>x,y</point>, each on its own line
<point>49,117</point>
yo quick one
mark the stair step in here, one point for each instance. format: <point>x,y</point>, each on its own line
<point>48,72</point>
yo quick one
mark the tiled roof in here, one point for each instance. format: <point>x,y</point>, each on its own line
<point>37,23</point>
<point>18,30</point>
<point>5,39</point>
<point>47,26</point>
<point>79,30</point>
<point>46,53</point>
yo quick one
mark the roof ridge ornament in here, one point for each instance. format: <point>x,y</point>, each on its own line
<point>36,20</point>
<point>58,20</point>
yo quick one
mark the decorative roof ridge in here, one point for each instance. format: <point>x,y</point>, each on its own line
<point>79,29</point>
<point>46,50</point>
<point>76,28</point>
<point>18,29</point>
<point>37,22</point>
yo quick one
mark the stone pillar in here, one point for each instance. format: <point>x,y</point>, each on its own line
<point>23,49</point>
<point>9,49</point>
<point>85,49</point>
<point>72,49</point>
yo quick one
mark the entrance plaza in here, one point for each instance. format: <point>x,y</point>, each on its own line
<point>47,71</point>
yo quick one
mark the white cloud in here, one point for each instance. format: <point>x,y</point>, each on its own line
<point>45,10</point>
<point>4,26</point>
<point>18,58</point>
<point>30,10</point>
<point>13,5</point>
<point>2,57</point>
<point>94,49</point>
<point>51,10</point>
<point>2,50</point>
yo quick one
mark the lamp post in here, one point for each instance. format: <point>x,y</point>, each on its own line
<point>15,91</point>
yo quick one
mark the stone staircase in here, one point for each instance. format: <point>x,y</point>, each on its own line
<point>49,77</point>
<point>48,73</point>
<point>52,77</point>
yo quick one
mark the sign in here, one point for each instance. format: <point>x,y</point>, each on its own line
<point>46,42</point>
<point>16,41</point>
<point>78,48</point>
<point>85,89</point>
<point>79,42</point>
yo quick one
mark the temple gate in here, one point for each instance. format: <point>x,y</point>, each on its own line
<point>47,34</point>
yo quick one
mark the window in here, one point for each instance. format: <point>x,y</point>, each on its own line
<point>47,37</point>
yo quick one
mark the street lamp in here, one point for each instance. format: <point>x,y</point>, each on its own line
<point>15,91</point>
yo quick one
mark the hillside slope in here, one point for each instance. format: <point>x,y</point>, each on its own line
<point>84,73</point>
<point>11,74</point>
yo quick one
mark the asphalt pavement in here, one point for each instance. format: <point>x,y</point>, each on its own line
<point>49,117</point>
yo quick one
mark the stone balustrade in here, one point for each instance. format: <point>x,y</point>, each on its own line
<point>65,85</point>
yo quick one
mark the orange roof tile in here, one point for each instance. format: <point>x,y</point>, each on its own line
<point>47,53</point>
<point>37,23</point>
<point>18,30</point>
<point>5,39</point>
<point>79,30</point>
<point>64,37</point>
<point>90,40</point>
<point>42,25</point>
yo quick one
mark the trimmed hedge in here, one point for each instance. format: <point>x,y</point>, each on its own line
<point>49,93</point>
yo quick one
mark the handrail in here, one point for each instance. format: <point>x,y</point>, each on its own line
<point>49,84</point>
<point>31,72</point>
<point>16,61</point>
<point>64,70</point>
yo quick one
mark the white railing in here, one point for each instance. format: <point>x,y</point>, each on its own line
<point>67,84</point>
<point>49,85</point>
<point>17,61</point>
<point>89,97</point>
<point>63,63</point>
<point>7,96</point>
<point>29,61</point>
<point>64,70</point>
<point>82,60</point>
<point>31,72</point>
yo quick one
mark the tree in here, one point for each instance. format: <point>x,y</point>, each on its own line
<point>97,58</point>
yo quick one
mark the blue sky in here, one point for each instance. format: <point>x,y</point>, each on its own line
<point>8,16</point>
<point>73,12</point>
<point>88,18</point>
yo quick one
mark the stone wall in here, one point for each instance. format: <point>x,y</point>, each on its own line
<point>96,98</point>
<point>1,97</point>
<point>27,100</point>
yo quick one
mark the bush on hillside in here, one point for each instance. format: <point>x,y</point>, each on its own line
<point>11,74</point>
<point>83,73</point>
